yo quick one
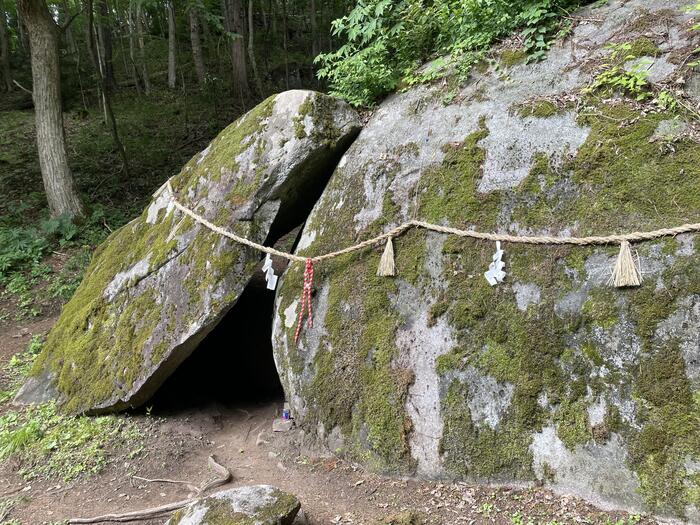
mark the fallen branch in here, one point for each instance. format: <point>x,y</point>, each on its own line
<point>22,87</point>
<point>224,476</point>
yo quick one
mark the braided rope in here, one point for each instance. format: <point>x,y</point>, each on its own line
<point>402,228</point>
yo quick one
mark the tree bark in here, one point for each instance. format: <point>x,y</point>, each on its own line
<point>251,49</point>
<point>132,48</point>
<point>234,24</point>
<point>43,35</point>
<point>172,46</point>
<point>196,41</point>
<point>4,53</point>
<point>142,49</point>
<point>104,34</point>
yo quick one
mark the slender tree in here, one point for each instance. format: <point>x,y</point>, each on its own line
<point>68,33</point>
<point>110,120</point>
<point>284,43</point>
<point>251,49</point>
<point>314,28</point>
<point>132,48</point>
<point>142,48</point>
<point>172,45</point>
<point>234,26</point>
<point>196,42</point>
<point>43,35</point>
<point>104,35</point>
<point>4,51</point>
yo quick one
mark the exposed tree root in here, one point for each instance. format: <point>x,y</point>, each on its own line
<point>224,476</point>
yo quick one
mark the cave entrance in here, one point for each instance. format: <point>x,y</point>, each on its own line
<point>233,366</point>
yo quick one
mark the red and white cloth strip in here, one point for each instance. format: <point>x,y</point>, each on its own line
<point>306,299</point>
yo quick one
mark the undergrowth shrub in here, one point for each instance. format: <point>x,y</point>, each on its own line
<point>23,250</point>
<point>386,40</point>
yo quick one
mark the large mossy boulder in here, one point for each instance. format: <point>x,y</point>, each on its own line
<point>551,376</point>
<point>157,286</point>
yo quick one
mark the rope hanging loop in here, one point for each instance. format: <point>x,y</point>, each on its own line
<point>306,300</point>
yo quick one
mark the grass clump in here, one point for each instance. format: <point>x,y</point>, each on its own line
<point>50,445</point>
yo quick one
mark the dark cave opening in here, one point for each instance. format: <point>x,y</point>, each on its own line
<point>233,365</point>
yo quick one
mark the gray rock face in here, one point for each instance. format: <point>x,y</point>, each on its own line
<point>255,505</point>
<point>157,286</point>
<point>551,375</point>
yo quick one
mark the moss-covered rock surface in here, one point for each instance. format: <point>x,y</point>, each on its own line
<point>551,376</point>
<point>254,505</point>
<point>158,285</point>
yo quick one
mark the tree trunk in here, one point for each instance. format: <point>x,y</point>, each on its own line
<point>110,120</point>
<point>104,34</point>
<point>142,49</point>
<point>172,46</point>
<point>196,41</point>
<point>4,53</point>
<point>50,136</point>
<point>251,49</point>
<point>314,29</point>
<point>132,49</point>
<point>68,32</point>
<point>234,24</point>
<point>284,44</point>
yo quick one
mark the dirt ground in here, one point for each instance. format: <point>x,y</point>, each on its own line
<point>332,491</point>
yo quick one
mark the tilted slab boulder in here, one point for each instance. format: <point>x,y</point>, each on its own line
<point>550,376</point>
<point>257,504</point>
<point>158,285</point>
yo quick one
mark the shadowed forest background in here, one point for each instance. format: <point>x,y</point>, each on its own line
<point>175,75</point>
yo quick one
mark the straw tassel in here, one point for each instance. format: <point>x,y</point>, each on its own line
<point>626,271</point>
<point>387,267</point>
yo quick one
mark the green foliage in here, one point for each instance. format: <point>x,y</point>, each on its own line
<point>632,80</point>
<point>19,364</point>
<point>542,25</point>
<point>64,283</point>
<point>374,31</point>
<point>23,250</point>
<point>20,249</point>
<point>50,445</point>
<point>385,41</point>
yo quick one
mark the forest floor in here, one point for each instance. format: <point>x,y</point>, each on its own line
<point>54,467</point>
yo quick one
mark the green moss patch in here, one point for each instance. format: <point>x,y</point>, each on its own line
<point>538,109</point>
<point>512,57</point>
<point>623,179</point>
<point>355,386</point>
<point>451,187</point>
